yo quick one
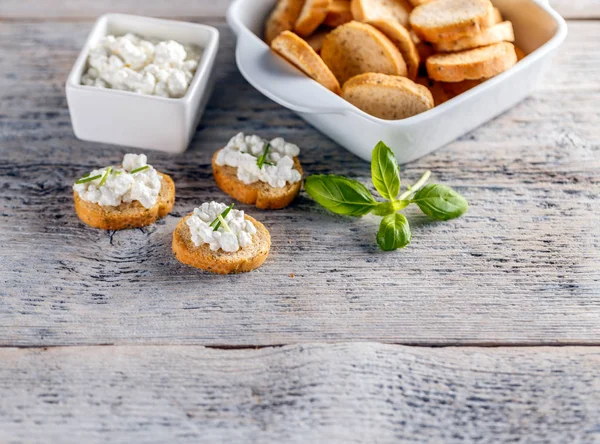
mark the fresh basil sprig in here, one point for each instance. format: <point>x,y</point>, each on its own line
<point>351,198</point>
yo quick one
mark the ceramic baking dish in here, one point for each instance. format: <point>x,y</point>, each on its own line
<point>140,120</point>
<point>539,31</point>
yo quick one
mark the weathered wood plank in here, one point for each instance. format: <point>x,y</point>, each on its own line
<point>308,393</point>
<point>521,267</point>
<point>48,9</point>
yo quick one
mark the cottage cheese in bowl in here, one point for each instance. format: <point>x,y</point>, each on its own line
<point>131,63</point>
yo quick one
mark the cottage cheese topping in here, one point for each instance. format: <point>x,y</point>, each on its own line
<point>131,63</point>
<point>121,186</point>
<point>242,152</point>
<point>239,236</point>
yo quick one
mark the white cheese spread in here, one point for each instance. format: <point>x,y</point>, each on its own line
<point>131,63</point>
<point>235,234</point>
<point>243,152</point>
<point>120,185</point>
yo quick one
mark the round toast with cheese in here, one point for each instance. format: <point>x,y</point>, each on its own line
<point>245,259</point>
<point>300,54</point>
<point>127,215</point>
<point>260,194</point>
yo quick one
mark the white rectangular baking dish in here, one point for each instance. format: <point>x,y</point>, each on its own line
<point>539,31</point>
<point>140,120</point>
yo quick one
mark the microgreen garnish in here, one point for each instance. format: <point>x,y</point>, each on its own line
<point>263,157</point>
<point>105,176</point>
<point>221,219</point>
<point>117,173</point>
<point>351,198</point>
<point>137,170</point>
<point>87,178</point>
<point>224,223</point>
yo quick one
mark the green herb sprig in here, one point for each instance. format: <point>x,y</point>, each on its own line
<point>351,198</point>
<point>88,178</point>
<point>262,160</point>
<point>220,219</point>
<point>137,170</point>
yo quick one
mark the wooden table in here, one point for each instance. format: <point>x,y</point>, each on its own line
<point>104,336</point>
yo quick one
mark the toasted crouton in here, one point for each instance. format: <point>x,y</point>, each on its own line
<point>299,53</point>
<point>282,18</point>
<point>356,48</point>
<point>472,64</point>
<point>369,10</point>
<point>400,37</point>
<point>312,15</point>
<point>316,39</point>
<point>450,19</point>
<point>338,13</point>
<point>495,17</point>
<point>260,194</point>
<point>127,215</point>
<point>246,259</point>
<point>387,97</point>
<point>502,32</point>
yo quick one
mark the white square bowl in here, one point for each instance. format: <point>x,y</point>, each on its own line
<point>539,31</point>
<point>140,120</point>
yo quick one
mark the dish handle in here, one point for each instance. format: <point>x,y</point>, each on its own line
<point>281,81</point>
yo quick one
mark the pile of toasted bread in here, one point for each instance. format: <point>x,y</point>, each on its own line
<point>393,58</point>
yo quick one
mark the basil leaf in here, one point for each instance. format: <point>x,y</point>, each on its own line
<point>394,232</point>
<point>385,208</point>
<point>340,195</point>
<point>440,202</point>
<point>385,172</point>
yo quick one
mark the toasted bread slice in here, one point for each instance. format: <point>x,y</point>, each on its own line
<point>127,215</point>
<point>245,259</point>
<point>435,88</point>
<point>356,48</point>
<point>300,54</point>
<point>495,17</point>
<point>520,53</point>
<point>387,97</point>
<point>260,194</point>
<point>338,13</point>
<point>502,32</point>
<point>316,39</point>
<point>369,10</point>
<point>472,64</point>
<point>457,88</point>
<point>400,37</point>
<point>450,19</point>
<point>312,15</point>
<point>416,3</point>
<point>282,18</point>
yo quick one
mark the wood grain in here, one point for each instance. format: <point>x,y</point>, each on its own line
<point>346,393</point>
<point>522,267</point>
<point>48,9</point>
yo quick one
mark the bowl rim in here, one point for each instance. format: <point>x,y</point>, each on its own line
<point>205,65</point>
<point>242,31</point>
